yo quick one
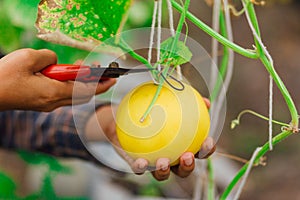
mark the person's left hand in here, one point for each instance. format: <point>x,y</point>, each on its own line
<point>105,119</point>
<point>24,87</point>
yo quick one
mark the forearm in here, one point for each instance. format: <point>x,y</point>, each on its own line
<point>54,133</point>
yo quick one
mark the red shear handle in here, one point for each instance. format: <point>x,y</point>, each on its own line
<point>65,72</point>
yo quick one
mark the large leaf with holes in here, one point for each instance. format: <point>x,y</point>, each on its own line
<point>82,24</point>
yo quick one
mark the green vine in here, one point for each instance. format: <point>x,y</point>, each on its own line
<point>258,53</point>
<point>238,49</point>
<point>236,121</point>
<point>211,185</point>
<point>265,148</point>
<point>270,68</point>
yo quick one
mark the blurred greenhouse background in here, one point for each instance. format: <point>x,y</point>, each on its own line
<point>279,179</point>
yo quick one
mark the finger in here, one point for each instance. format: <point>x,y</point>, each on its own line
<point>61,93</point>
<point>77,89</point>
<point>82,90</point>
<point>43,58</point>
<point>186,165</point>
<point>78,62</point>
<point>208,147</point>
<point>70,89</point>
<point>30,59</point>
<point>69,92</point>
<point>139,166</point>
<point>96,63</point>
<point>207,102</point>
<point>66,102</point>
<point>162,170</point>
<point>103,86</point>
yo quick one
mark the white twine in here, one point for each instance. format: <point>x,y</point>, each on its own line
<point>172,30</point>
<point>270,113</point>
<point>159,33</point>
<point>200,178</point>
<point>152,32</point>
<point>171,20</point>
<point>271,81</point>
<point>151,39</point>
<point>214,43</point>
<point>217,105</point>
<point>243,181</point>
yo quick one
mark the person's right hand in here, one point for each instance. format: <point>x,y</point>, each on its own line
<point>101,126</point>
<point>24,87</point>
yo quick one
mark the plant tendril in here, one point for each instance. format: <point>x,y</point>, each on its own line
<point>236,121</point>
<point>170,84</point>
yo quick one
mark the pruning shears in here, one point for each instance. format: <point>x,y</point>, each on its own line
<point>84,73</point>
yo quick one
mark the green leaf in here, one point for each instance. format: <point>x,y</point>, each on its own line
<point>65,54</point>
<point>43,159</point>
<point>82,24</point>
<point>9,35</point>
<point>47,190</point>
<point>17,21</point>
<point>7,186</point>
<point>22,13</point>
<point>177,55</point>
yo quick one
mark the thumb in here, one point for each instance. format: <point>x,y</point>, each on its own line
<point>33,60</point>
<point>43,58</point>
<point>30,59</point>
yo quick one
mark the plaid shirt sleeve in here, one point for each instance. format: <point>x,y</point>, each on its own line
<point>53,133</point>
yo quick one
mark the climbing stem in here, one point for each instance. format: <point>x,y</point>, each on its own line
<point>217,36</point>
<point>259,53</point>
<point>225,57</point>
<point>265,148</point>
<point>237,120</point>
<point>268,63</point>
<point>126,48</point>
<point>285,93</point>
<point>252,15</point>
<point>211,185</point>
<point>254,22</point>
<point>181,21</point>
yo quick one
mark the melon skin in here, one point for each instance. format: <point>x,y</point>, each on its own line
<point>178,122</point>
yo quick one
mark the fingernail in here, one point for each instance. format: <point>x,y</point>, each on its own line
<point>188,161</point>
<point>209,144</point>
<point>164,168</point>
<point>142,166</point>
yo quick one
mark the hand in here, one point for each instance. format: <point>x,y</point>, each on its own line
<point>105,119</point>
<point>24,87</point>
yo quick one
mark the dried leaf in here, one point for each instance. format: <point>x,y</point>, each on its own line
<point>83,24</point>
